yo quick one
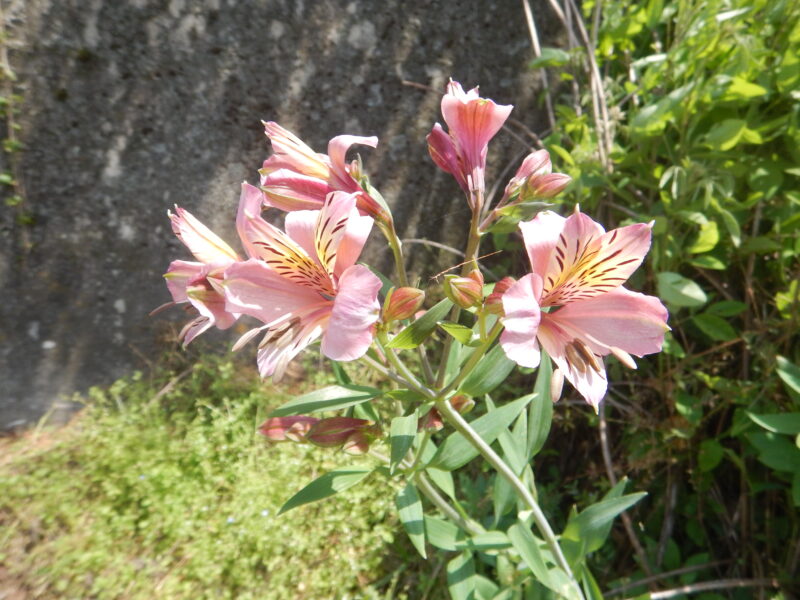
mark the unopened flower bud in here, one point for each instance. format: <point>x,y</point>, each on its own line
<point>432,420</point>
<point>462,404</point>
<point>402,303</point>
<point>546,186</point>
<point>334,431</point>
<point>358,443</point>
<point>463,291</point>
<point>535,164</point>
<point>494,301</point>
<point>279,429</point>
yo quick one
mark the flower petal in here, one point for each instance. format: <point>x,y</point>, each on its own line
<point>628,320</point>
<point>587,262</point>
<point>178,275</point>
<point>443,152</point>
<point>590,382</point>
<point>355,310</point>
<point>291,152</point>
<point>331,227</point>
<point>206,246</point>
<point>356,233</point>
<point>288,190</point>
<point>521,321</point>
<point>337,152</point>
<point>252,288</point>
<point>540,236</point>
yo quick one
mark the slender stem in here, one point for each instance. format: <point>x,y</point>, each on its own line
<point>474,358</point>
<point>426,487</point>
<point>374,364</point>
<point>401,368</point>
<point>460,425</point>
<point>426,435</point>
<point>397,251</point>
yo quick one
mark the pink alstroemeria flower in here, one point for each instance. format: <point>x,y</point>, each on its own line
<point>297,178</point>
<point>200,283</point>
<point>573,304</point>
<point>472,121</point>
<point>303,283</point>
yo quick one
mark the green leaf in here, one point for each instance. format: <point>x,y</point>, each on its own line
<point>715,327</point>
<point>706,239</point>
<point>707,261</point>
<point>402,433</point>
<point>327,485</point>
<point>459,332</point>
<point>460,572</point>
<point>760,244</point>
<point>442,534</point>
<point>776,451</point>
<point>741,90</point>
<point>550,57</point>
<point>409,507</point>
<point>653,118</point>
<point>788,423</point>
<point>789,373</point>
<point>727,308</point>
<point>679,291</point>
<point>488,540</point>
<point>456,451</point>
<point>540,411</point>
<point>732,225</point>
<point>330,398</point>
<point>527,545</point>
<point>413,335</point>
<point>591,527</point>
<point>726,134</point>
<point>711,453</point>
<point>491,371</point>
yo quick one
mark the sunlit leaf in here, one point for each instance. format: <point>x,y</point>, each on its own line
<point>679,291</point>
<point>409,507</point>
<point>330,398</point>
<point>413,335</point>
<point>327,485</point>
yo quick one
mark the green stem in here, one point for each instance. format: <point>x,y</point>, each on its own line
<point>397,251</point>
<point>426,487</point>
<point>461,425</point>
<point>374,364</point>
<point>401,368</point>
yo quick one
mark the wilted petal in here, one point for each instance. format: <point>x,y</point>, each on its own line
<point>521,321</point>
<point>355,311</point>
<point>206,246</point>
<point>628,320</point>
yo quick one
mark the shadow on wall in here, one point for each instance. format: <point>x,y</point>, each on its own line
<point>132,106</point>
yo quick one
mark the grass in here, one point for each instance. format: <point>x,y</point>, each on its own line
<point>163,489</point>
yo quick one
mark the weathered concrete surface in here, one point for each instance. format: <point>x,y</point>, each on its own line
<point>131,106</point>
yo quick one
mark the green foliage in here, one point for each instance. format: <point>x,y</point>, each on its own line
<point>173,494</point>
<point>705,122</point>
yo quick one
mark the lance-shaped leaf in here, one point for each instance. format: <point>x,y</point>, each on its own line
<point>327,485</point>
<point>413,335</point>
<point>527,545</point>
<point>330,398</point>
<point>591,527</point>
<point>442,534</point>
<point>457,451</point>
<point>540,411</point>
<point>491,371</point>
<point>409,507</point>
<point>788,423</point>
<point>488,540</point>
<point>402,433</point>
<point>460,574</point>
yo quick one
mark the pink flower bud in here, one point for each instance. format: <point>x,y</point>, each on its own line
<point>402,303</point>
<point>462,404</point>
<point>279,429</point>
<point>535,164</point>
<point>547,186</point>
<point>494,301</point>
<point>463,291</point>
<point>432,420</point>
<point>334,431</point>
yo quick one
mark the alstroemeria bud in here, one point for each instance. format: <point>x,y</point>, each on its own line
<point>464,291</point>
<point>462,404</point>
<point>494,301</point>
<point>535,164</point>
<point>402,303</point>
<point>546,186</point>
<point>334,431</point>
<point>432,420</point>
<point>358,443</point>
<point>279,429</point>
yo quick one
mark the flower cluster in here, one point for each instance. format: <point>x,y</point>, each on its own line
<point>302,282</point>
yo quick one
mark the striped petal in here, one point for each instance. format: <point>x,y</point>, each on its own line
<point>206,246</point>
<point>331,227</point>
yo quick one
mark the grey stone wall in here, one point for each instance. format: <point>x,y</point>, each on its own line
<point>131,106</point>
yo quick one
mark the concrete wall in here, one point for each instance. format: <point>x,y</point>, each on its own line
<point>131,106</point>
